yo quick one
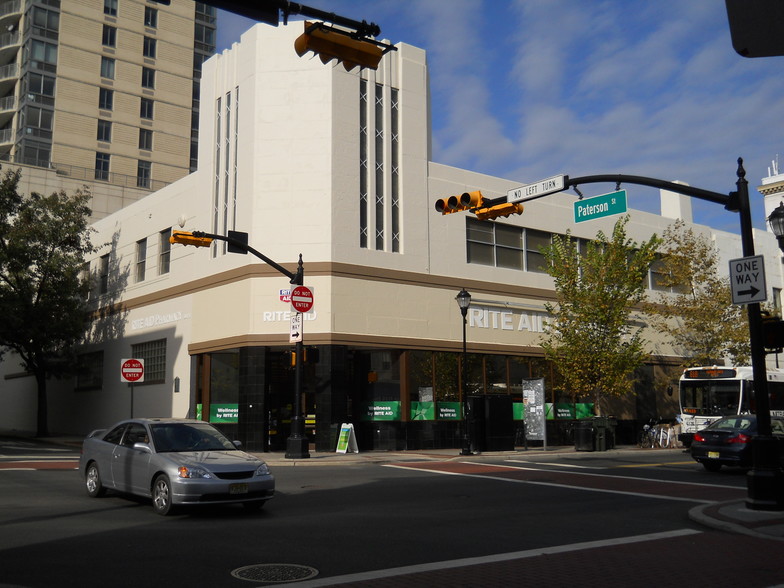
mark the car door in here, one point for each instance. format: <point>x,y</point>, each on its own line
<point>130,465</point>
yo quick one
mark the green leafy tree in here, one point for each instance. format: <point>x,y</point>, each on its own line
<point>696,311</point>
<point>43,311</point>
<point>590,337</point>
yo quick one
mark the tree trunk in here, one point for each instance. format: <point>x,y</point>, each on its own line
<point>43,417</point>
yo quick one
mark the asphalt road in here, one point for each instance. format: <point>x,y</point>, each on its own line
<point>571,519</point>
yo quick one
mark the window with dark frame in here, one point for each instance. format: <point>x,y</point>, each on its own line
<point>154,355</point>
<point>105,99</point>
<point>146,110</point>
<point>109,37</point>
<point>150,47</point>
<point>107,67</point>
<point>103,274</point>
<point>105,130</point>
<point>89,374</point>
<point>148,78</point>
<point>150,17</point>
<point>102,166</point>
<point>164,252</point>
<point>145,139</point>
<point>110,7</point>
<point>141,259</point>
<point>143,173</point>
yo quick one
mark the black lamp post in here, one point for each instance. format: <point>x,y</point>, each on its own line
<point>776,221</point>
<point>464,301</point>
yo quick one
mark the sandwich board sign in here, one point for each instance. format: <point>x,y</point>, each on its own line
<point>347,440</point>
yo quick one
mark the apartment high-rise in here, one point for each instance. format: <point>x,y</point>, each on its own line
<point>103,91</point>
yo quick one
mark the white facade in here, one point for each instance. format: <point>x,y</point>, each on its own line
<point>285,155</point>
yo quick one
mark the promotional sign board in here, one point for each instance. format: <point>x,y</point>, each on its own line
<point>533,398</point>
<point>347,440</point>
<point>132,370</point>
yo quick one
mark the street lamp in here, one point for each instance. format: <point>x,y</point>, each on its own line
<point>776,221</point>
<point>464,301</point>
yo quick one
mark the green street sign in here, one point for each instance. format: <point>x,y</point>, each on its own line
<point>600,206</point>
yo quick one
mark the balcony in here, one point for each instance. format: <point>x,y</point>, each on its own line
<point>9,46</point>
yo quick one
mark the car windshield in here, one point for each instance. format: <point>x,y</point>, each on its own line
<point>172,437</point>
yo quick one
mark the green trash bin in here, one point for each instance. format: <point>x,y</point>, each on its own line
<point>583,435</point>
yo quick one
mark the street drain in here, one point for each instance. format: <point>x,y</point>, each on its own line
<point>276,572</point>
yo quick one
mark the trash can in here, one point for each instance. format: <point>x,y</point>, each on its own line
<point>583,435</point>
<point>604,431</point>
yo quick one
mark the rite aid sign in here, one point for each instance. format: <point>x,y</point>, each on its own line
<point>747,280</point>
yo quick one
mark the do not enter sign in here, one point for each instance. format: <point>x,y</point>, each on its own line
<point>132,370</point>
<point>301,299</point>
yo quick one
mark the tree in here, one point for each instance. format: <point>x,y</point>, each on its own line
<point>696,308</point>
<point>590,337</point>
<point>43,308</point>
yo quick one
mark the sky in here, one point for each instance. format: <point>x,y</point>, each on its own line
<point>528,89</point>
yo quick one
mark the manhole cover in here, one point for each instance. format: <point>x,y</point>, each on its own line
<point>276,572</point>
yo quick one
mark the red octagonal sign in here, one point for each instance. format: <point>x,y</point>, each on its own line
<point>132,370</point>
<point>301,299</point>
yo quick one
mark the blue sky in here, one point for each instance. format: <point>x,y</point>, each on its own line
<point>527,89</point>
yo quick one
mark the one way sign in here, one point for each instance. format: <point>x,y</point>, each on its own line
<point>747,280</point>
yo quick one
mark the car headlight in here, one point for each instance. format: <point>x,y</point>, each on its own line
<point>193,472</point>
<point>262,470</point>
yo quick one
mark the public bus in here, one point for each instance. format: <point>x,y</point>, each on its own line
<point>709,393</point>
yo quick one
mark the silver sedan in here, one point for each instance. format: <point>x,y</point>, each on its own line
<point>174,462</point>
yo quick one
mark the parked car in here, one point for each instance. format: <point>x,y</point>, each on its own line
<point>727,441</point>
<point>174,462</point>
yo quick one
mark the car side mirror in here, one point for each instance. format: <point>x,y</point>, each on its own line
<point>237,444</point>
<point>143,447</point>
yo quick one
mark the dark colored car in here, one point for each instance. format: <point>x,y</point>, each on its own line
<point>727,441</point>
<point>174,462</point>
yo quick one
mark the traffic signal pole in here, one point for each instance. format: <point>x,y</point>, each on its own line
<point>297,442</point>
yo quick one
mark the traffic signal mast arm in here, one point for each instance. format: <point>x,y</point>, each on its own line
<point>202,239</point>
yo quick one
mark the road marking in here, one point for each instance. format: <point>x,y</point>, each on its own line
<point>566,486</point>
<point>499,557</point>
<point>558,464</point>
<point>653,465</point>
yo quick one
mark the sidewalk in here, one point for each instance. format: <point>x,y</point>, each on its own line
<point>733,516</point>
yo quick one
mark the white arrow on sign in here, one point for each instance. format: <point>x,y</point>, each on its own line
<point>295,336</point>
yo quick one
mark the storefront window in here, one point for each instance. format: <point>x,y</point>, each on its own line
<point>224,387</point>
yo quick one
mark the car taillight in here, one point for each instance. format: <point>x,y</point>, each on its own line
<point>698,437</point>
<point>740,438</point>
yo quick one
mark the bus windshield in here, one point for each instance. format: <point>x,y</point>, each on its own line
<point>711,398</point>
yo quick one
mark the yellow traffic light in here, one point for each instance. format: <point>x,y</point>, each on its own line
<point>465,201</point>
<point>330,43</point>
<point>187,238</point>
<point>504,209</point>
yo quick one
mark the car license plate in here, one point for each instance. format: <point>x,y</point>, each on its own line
<point>713,454</point>
<point>238,489</point>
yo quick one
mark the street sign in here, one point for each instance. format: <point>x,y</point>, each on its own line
<point>295,335</point>
<point>747,280</point>
<point>132,370</point>
<point>301,299</point>
<point>540,188</point>
<point>600,206</point>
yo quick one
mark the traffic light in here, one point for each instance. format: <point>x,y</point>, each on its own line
<point>310,355</point>
<point>504,209</point>
<point>331,43</point>
<point>187,238</point>
<point>464,201</point>
<point>773,334</point>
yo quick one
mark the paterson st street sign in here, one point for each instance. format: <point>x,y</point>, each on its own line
<point>600,206</point>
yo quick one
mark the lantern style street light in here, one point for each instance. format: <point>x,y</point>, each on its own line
<point>776,221</point>
<point>464,301</point>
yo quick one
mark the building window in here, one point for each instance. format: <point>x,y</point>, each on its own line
<point>46,23</point>
<point>110,7</point>
<point>380,167</point>
<point>150,17</point>
<point>395,169</point>
<point>109,38</point>
<point>363,163</point>
<point>40,88</point>
<point>35,153</point>
<point>154,355</point>
<point>89,374</point>
<point>37,122</point>
<point>146,110</point>
<point>105,130</point>
<point>534,242</point>
<point>143,172</point>
<point>141,259</point>
<point>150,48</point>
<point>107,68</point>
<point>43,54</point>
<point>145,139</point>
<point>164,249</point>
<point>105,99</point>
<point>102,166</point>
<point>148,78</point>
<point>103,274</point>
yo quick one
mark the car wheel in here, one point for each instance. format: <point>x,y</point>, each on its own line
<point>254,506</point>
<point>711,466</point>
<point>92,481</point>
<point>162,495</point>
